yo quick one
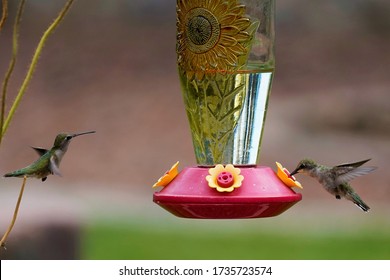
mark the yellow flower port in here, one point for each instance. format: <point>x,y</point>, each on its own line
<point>224,179</point>
<point>168,176</point>
<point>285,176</point>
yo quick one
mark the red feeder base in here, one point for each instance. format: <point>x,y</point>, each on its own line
<point>262,194</point>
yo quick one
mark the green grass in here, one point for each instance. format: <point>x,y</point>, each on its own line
<point>178,242</point>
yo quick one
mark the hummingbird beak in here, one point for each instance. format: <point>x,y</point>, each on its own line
<point>82,133</point>
<point>295,171</point>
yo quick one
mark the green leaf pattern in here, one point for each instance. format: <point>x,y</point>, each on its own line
<point>213,107</point>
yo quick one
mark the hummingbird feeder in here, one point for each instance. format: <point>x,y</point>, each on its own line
<point>225,58</point>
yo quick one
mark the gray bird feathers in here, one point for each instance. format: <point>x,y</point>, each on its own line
<point>336,179</point>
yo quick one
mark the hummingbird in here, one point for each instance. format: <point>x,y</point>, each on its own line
<point>49,160</point>
<point>335,179</point>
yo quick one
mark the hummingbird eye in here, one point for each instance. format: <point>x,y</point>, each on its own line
<point>68,137</point>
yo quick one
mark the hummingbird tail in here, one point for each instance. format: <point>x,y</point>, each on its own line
<point>359,202</point>
<point>17,173</point>
<point>363,206</point>
<point>12,174</point>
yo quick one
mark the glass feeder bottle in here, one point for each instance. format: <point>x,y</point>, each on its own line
<point>225,58</point>
<point>225,54</point>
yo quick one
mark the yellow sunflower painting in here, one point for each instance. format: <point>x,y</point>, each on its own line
<point>212,36</point>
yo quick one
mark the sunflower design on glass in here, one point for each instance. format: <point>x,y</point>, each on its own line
<point>212,36</point>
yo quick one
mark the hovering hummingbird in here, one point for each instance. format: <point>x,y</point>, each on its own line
<point>49,160</point>
<point>335,179</point>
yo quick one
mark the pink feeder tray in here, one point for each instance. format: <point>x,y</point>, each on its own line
<point>262,194</point>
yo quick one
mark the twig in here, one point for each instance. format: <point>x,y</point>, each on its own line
<point>33,64</point>
<point>15,46</point>
<point>5,236</point>
<point>4,14</point>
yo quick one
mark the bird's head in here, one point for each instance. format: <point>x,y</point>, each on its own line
<point>63,139</point>
<point>304,166</point>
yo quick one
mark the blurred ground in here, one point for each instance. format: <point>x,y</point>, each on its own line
<point>111,67</point>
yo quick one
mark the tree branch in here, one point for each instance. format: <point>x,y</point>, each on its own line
<point>33,64</point>
<point>5,236</point>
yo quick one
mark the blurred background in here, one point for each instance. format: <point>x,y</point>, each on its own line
<point>111,67</point>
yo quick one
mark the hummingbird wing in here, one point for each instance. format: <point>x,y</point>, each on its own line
<point>349,171</point>
<point>354,164</point>
<point>40,151</point>
<point>54,166</point>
